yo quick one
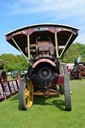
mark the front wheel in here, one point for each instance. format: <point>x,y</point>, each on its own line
<point>67,93</point>
<point>25,94</point>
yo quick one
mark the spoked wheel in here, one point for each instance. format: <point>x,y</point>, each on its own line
<point>67,93</point>
<point>61,69</point>
<point>25,94</point>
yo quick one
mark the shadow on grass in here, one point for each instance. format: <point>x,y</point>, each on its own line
<point>40,100</point>
<point>60,104</point>
<point>14,97</point>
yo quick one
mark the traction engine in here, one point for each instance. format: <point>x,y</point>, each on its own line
<point>43,45</point>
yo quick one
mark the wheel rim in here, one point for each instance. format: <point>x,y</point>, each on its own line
<point>28,97</point>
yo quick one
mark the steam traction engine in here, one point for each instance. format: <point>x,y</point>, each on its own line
<point>42,45</point>
<point>78,71</point>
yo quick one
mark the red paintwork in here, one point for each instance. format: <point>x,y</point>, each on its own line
<point>6,78</point>
<point>43,60</point>
<point>82,70</point>
<point>24,32</point>
<point>52,29</point>
<point>1,89</point>
<point>59,80</point>
<point>65,29</point>
<point>12,93</point>
<point>9,87</point>
<point>76,75</point>
<point>30,31</point>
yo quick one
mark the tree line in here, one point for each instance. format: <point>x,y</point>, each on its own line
<point>14,62</point>
<point>18,62</point>
<point>74,51</point>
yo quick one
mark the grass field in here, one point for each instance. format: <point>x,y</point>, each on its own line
<point>46,112</point>
<point>9,78</point>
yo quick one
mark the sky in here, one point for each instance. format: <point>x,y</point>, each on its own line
<point>15,14</point>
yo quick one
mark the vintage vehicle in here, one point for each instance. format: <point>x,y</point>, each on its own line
<point>22,73</point>
<point>82,68</point>
<point>78,71</point>
<point>14,74</point>
<point>3,75</point>
<point>42,45</point>
<point>17,74</point>
<point>75,73</point>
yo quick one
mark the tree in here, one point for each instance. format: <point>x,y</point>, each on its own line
<point>17,62</point>
<point>74,51</point>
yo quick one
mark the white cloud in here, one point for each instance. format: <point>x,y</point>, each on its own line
<point>70,12</point>
<point>57,10</point>
<point>47,1</point>
<point>47,5</point>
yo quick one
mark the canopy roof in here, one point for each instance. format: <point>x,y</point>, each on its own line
<point>62,36</point>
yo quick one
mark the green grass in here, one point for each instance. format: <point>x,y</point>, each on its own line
<point>46,112</point>
<point>9,78</point>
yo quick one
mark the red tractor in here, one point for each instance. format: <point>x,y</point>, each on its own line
<point>42,45</point>
<point>82,68</point>
<point>78,71</point>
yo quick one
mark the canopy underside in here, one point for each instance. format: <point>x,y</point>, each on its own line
<point>61,37</point>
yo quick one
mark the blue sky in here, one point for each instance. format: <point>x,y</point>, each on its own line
<point>19,13</point>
